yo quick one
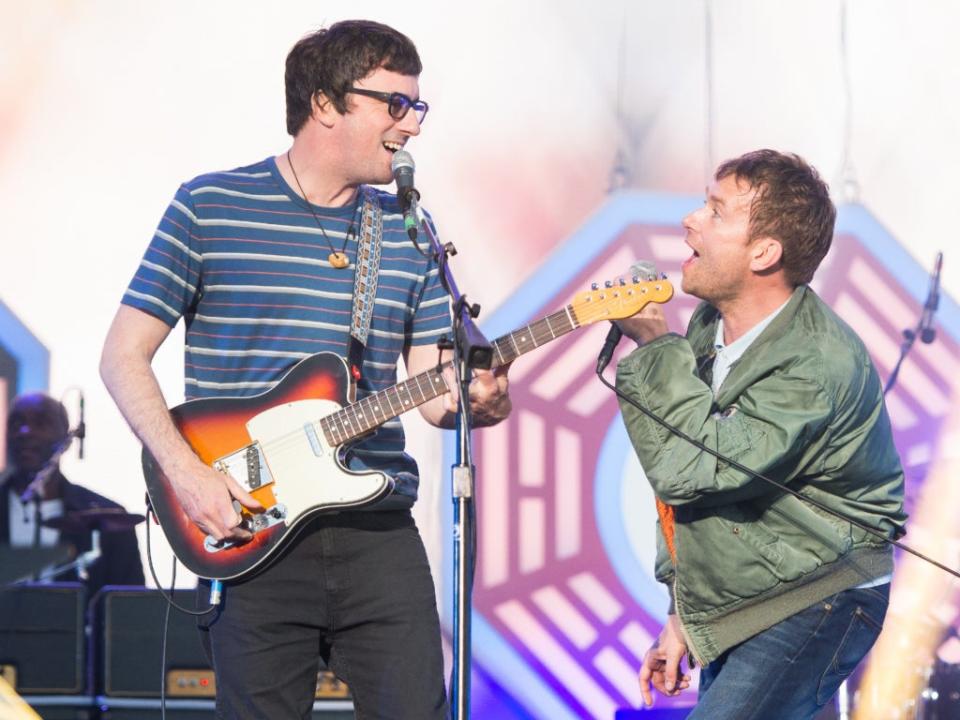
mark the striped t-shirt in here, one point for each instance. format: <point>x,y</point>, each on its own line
<point>241,258</point>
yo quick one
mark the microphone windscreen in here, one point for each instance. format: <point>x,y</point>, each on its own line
<point>402,159</point>
<point>644,269</point>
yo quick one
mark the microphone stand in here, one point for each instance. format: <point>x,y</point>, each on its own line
<point>924,329</point>
<point>37,488</point>
<point>927,333</point>
<point>81,563</point>
<point>470,350</point>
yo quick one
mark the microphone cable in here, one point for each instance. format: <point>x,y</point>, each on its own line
<point>780,486</point>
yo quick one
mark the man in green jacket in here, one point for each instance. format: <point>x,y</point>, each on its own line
<point>776,599</point>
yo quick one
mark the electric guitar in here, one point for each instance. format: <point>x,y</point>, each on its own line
<point>286,445</point>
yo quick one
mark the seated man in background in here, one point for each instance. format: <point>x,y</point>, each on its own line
<point>37,432</point>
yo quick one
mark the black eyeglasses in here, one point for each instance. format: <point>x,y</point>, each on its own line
<point>397,103</point>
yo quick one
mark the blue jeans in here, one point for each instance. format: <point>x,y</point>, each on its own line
<point>792,669</point>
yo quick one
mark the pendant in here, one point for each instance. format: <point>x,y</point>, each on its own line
<point>338,260</point>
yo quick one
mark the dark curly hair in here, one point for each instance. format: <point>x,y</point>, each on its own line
<point>792,205</point>
<point>334,58</point>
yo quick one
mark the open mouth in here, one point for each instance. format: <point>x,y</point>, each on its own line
<point>392,146</point>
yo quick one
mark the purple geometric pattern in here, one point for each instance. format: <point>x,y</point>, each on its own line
<point>544,579</point>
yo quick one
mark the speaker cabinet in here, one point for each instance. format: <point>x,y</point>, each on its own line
<point>127,649</point>
<point>129,628</point>
<point>42,642</point>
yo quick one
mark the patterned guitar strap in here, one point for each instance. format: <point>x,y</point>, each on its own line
<point>365,279</point>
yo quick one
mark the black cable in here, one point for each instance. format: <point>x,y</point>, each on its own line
<point>742,468</point>
<point>153,574</point>
<point>163,646</point>
<point>416,244</point>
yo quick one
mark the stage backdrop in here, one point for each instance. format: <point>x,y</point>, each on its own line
<point>537,109</point>
<point>566,603</point>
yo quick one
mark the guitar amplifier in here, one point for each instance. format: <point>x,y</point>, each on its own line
<point>203,684</point>
<point>128,640</point>
<point>42,640</point>
<point>129,630</point>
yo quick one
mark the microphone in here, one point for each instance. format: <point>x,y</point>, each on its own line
<point>81,432</point>
<point>403,166</point>
<point>641,268</point>
<point>927,331</point>
<point>609,345</point>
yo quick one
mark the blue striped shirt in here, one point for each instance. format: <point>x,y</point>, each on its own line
<point>240,257</point>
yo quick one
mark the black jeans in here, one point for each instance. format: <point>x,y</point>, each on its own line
<point>355,588</point>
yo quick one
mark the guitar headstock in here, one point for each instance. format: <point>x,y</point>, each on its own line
<point>619,299</point>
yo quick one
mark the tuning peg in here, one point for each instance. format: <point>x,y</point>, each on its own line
<point>608,283</point>
<point>594,286</point>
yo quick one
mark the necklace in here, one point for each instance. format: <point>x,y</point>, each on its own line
<point>339,259</point>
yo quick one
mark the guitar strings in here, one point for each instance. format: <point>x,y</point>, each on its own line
<point>350,422</point>
<point>347,420</point>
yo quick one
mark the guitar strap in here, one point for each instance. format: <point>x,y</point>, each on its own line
<point>365,278</point>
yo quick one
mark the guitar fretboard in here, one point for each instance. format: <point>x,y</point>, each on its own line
<point>372,411</point>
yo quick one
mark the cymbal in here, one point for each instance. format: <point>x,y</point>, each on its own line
<point>104,519</point>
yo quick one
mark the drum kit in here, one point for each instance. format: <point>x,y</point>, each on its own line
<point>26,564</point>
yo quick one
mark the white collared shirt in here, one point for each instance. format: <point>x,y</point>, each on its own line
<point>22,520</point>
<point>727,355</point>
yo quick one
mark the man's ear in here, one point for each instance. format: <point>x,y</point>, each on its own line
<point>765,254</point>
<point>322,109</point>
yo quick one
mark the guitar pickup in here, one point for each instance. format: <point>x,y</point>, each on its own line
<point>247,466</point>
<point>254,523</point>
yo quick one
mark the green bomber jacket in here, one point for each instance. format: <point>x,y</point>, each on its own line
<point>804,406</point>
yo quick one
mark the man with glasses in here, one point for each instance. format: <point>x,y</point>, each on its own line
<point>260,262</point>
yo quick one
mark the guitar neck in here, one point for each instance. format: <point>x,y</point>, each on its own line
<point>372,411</point>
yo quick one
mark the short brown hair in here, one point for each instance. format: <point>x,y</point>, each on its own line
<point>334,58</point>
<point>792,204</point>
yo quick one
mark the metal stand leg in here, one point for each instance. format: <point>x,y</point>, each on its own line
<point>462,560</point>
<point>463,566</point>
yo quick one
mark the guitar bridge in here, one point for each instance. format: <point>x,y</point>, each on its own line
<point>246,466</point>
<point>253,523</point>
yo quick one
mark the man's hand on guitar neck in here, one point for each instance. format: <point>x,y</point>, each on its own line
<point>207,497</point>
<point>489,390</point>
<point>489,395</point>
<point>645,326</point>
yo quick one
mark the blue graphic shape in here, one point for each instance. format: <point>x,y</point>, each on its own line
<point>33,358</point>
